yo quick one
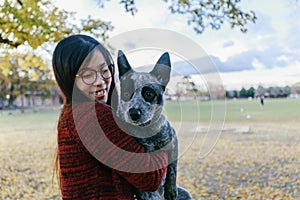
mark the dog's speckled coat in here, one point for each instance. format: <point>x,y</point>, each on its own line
<point>139,108</point>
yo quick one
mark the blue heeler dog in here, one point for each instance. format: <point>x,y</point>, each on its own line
<point>139,108</point>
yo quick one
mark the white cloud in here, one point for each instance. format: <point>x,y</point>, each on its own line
<point>268,53</point>
<point>258,65</point>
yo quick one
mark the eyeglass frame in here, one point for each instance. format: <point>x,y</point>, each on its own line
<point>110,66</point>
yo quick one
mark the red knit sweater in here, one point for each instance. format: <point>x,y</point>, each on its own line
<point>82,176</point>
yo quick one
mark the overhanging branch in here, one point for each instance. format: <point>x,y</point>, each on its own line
<point>9,42</point>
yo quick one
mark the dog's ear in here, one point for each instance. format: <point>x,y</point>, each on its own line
<point>162,69</point>
<point>123,65</point>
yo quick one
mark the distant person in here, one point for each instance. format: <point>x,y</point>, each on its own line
<point>84,71</point>
<point>262,100</point>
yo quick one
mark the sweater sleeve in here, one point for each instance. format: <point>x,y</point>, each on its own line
<point>96,130</point>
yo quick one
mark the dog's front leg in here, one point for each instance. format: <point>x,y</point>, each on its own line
<point>170,184</point>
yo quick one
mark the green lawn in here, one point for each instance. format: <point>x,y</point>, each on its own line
<point>274,110</point>
<point>234,111</point>
<point>28,121</point>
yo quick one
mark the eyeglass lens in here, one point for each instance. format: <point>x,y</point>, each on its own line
<point>90,76</point>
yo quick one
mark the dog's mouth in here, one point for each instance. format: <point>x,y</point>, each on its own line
<point>145,124</point>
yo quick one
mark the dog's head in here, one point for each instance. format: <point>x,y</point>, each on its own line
<point>141,97</point>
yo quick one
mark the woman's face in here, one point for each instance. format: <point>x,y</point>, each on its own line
<point>94,79</point>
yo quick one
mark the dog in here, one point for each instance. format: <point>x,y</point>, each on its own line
<point>139,107</point>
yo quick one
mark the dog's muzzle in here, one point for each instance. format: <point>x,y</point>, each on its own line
<point>145,124</point>
<point>136,115</point>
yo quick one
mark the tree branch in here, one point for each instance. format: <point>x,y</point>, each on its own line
<point>9,42</point>
<point>20,2</point>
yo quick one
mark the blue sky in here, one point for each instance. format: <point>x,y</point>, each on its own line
<point>268,54</point>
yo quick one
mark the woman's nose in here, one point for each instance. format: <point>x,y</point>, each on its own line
<point>99,80</point>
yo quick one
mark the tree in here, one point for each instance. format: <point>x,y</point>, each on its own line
<point>251,92</point>
<point>35,22</point>
<point>205,13</point>
<point>273,91</point>
<point>243,93</point>
<point>4,85</point>
<point>229,94</point>
<point>260,91</point>
<point>236,94</point>
<point>186,86</point>
<point>27,75</point>
<point>277,92</point>
<point>295,89</point>
<point>287,91</point>
<point>31,24</point>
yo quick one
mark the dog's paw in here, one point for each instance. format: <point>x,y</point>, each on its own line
<point>170,193</point>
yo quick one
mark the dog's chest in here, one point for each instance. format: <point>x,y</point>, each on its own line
<point>165,136</point>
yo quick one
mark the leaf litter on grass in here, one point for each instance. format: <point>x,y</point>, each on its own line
<point>261,164</point>
<point>26,168</point>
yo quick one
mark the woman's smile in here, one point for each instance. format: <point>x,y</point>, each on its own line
<point>99,94</point>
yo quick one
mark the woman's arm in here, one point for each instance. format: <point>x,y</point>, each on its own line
<point>101,136</point>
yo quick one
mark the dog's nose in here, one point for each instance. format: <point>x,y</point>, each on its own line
<point>135,114</point>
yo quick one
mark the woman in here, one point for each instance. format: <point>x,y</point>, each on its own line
<point>93,162</point>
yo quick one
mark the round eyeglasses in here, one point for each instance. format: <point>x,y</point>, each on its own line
<point>89,76</point>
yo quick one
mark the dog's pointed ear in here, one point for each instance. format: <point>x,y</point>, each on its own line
<point>162,69</point>
<point>123,65</point>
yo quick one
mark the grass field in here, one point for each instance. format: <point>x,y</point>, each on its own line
<point>262,162</point>
<point>274,110</point>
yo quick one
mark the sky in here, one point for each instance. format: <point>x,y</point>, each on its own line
<point>268,54</point>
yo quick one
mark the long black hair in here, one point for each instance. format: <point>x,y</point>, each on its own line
<point>68,57</point>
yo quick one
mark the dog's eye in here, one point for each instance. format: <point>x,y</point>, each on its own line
<point>148,94</point>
